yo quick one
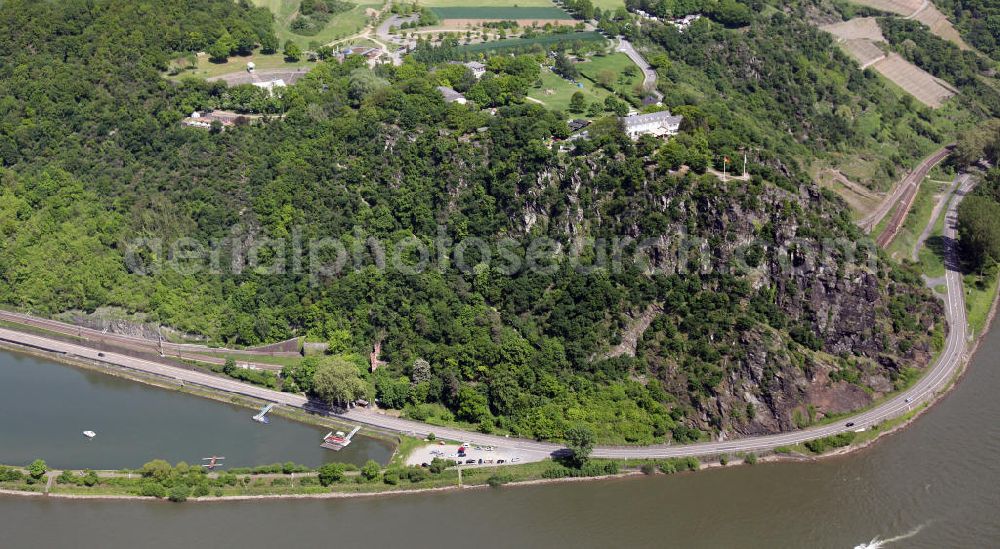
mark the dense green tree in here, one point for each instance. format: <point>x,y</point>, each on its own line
<point>371,470</point>
<point>292,51</point>
<point>222,48</point>
<point>979,230</point>
<point>330,473</point>
<point>580,441</point>
<point>337,381</point>
<point>37,469</point>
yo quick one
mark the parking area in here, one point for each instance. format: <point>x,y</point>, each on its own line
<point>469,455</point>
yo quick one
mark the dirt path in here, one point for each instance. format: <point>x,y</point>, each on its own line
<point>960,179</point>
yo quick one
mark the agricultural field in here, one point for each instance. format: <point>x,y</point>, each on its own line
<point>523,15</point>
<point>858,37</point>
<point>864,51</point>
<point>525,43</point>
<point>914,80</point>
<point>921,10</point>
<point>487,3</point>
<point>899,7</point>
<point>340,26</point>
<point>859,27</point>
<point>940,25</point>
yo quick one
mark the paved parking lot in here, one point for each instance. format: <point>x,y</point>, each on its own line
<point>489,455</point>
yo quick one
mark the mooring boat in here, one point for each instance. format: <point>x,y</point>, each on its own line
<point>338,440</point>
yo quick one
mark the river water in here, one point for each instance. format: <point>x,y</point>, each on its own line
<point>45,407</point>
<point>936,484</point>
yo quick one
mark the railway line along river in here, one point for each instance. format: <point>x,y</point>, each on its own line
<point>934,484</point>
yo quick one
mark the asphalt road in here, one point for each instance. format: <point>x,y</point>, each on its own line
<point>936,379</point>
<point>648,74</point>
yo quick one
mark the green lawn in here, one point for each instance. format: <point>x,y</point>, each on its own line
<point>920,215</point>
<point>932,253</point>
<point>980,292</point>
<point>609,4</point>
<point>615,64</point>
<point>340,26</point>
<point>207,69</point>
<point>561,91</point>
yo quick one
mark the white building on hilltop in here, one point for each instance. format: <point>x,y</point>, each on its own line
<point>655,123</point>
<point>478,69</point>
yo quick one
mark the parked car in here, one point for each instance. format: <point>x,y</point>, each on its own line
<point>470,461</point>
<point>499,461</point>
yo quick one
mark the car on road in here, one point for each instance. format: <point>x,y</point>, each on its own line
<point>850,424</point>
<point>909,400</point>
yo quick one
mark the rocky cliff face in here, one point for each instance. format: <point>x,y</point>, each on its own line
<point>771,313</point>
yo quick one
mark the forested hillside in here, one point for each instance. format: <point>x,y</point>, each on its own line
<point>784,86</point>
<point>762,315</point>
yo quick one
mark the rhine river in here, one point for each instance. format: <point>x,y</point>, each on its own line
<point>935,484</point>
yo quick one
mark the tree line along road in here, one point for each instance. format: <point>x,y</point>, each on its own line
<point>933,381</point>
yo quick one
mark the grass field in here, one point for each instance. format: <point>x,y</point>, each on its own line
<point>931,257</point>
<point>980,292</point>
<point>507,13</point>
<point>918,218</point>
<point>609,4</point>
<point>616,64</point>
<point>206,69</point>
<point>340,26</point>
<point>556,92</point>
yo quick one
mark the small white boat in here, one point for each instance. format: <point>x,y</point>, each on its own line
<point>89,434</point>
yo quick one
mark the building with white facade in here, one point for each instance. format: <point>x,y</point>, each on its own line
<point>655,123</point>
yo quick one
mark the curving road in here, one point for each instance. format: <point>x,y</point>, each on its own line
<point>648,73</point>
<point>935,380</point>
